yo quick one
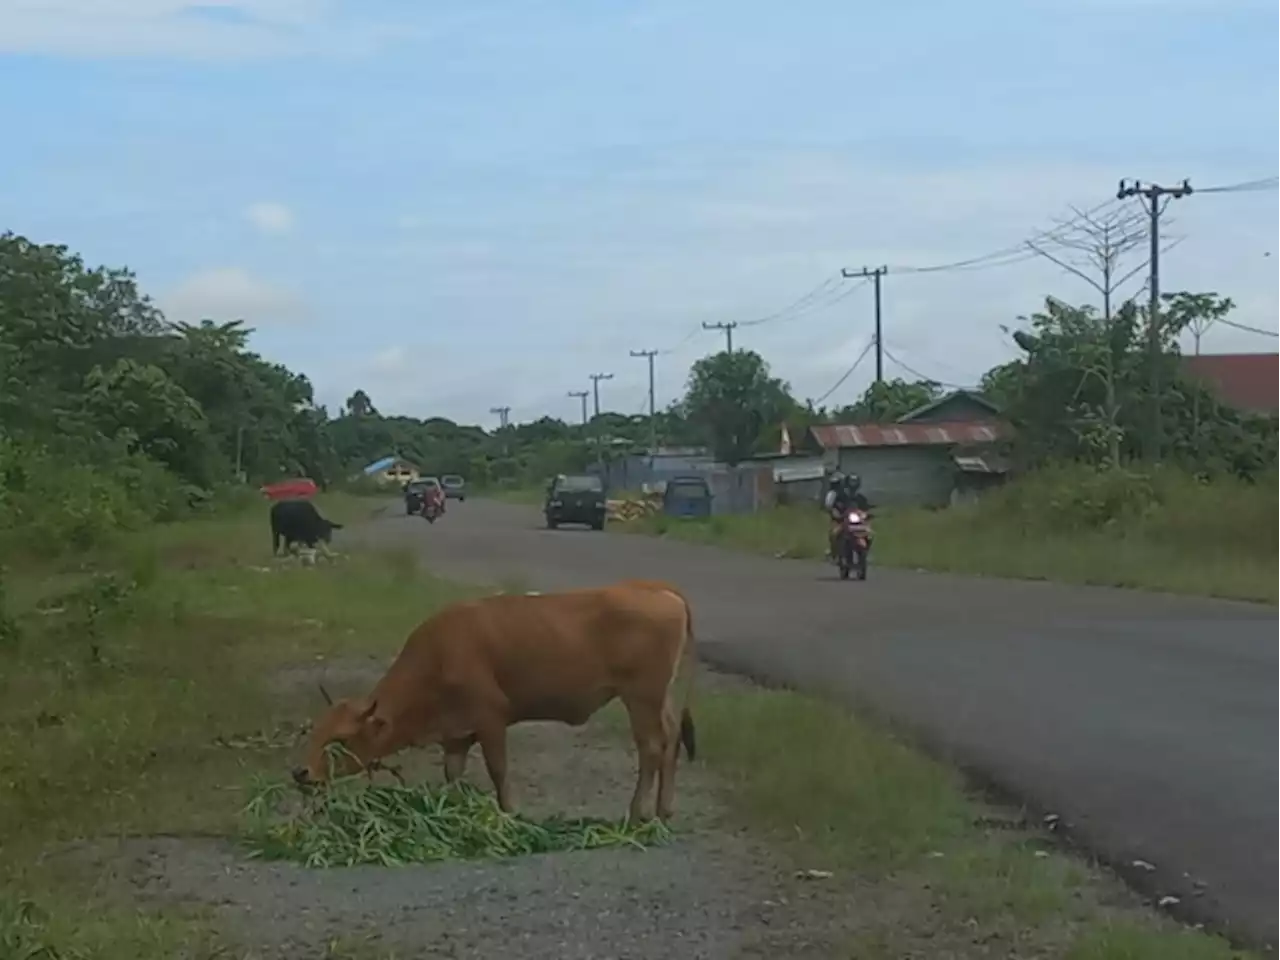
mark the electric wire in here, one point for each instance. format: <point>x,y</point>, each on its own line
<point>848,373</point>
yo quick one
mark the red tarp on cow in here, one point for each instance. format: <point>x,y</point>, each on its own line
<point>290,489</point>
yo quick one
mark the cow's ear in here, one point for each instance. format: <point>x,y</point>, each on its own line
<point>334,526</point>
<point>367,712</point>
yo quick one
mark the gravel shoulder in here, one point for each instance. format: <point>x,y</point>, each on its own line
<point>713,892</point>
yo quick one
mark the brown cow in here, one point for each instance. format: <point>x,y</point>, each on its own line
<point>477,667</point>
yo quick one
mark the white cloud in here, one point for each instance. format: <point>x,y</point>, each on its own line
<point>270,217</point>
<point>230,293</point>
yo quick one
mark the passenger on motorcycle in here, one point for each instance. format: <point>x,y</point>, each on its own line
<point>433,496</point>
<point>844,493</point>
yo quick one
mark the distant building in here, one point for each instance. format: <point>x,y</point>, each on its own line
<point>940,453</point>
<point>392,470</point>
<point>1248,382</point>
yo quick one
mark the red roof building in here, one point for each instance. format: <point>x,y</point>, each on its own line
<point>1245,381</point>
<point>956,433</point>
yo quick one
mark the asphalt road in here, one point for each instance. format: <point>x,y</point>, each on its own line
<point>1147,723</point>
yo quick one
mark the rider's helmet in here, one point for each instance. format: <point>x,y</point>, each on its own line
<point>853,483</point>
<point>836,480</point>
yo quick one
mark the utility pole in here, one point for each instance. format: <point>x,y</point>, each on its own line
<point>502,413</point>
<point>875,276</point>
<point>653,418</point>
<point>728,329</point>
<point>1152,193</point>
<point>582,395</point>
<point>595,389</point>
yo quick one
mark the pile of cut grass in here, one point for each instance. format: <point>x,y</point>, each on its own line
<point>353,822</point>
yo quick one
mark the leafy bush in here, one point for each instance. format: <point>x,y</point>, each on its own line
<point>1178,509</point>
<point>51,504</point>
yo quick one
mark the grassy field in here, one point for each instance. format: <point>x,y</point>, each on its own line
<point>136,701</point>
<point>1174,535</point>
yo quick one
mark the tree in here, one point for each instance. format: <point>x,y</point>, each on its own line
<point>143,407</point>
<point>1093,247</point>
<point>1196,312</point>
<point>1080,390</point>
<point>889,400</point>
<point>359,405</point>
<point>731,398</point>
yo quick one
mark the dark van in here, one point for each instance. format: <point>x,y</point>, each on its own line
<point>575,499</point>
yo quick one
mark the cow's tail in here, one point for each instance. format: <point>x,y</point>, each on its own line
<point>688,733</point>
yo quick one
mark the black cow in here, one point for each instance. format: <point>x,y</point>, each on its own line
<point>298,521</point>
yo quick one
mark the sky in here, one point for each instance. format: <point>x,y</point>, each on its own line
<point>456,207</point>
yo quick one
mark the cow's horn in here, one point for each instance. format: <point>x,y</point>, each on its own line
<point>325,693</point>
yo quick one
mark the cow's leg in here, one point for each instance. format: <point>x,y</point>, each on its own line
<point>493,744</point>
<point>670,753</point>
<point>646,727</point>
<point>455,758</point>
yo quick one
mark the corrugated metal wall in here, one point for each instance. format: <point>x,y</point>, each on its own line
<point>919,476</point>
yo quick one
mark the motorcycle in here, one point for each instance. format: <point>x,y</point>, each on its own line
<point>853,544</point>
<point>432,509</point>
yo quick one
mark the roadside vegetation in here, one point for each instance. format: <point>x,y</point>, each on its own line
<point>152,702</point>
<point>1161,530</point>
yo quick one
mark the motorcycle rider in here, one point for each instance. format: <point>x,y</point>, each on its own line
<point>433,496</point>
<point>844,493</point>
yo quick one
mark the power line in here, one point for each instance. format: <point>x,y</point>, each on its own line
<point>847,374</point>
<point>1247,186</point>
<point>1248,329</point>
<point>812,307</point>
<point>582,395</point>
<point>503,414</point>
<point>1007,255</point>
<point>683,340</point>
<point>920,376</point>
<point>797,304</point>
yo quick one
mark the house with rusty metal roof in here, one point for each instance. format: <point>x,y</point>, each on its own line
<point>1248,382</point>
<point>938,454</point>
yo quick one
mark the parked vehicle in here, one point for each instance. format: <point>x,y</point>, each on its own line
<point>575,499</point>
<point>688,497</point>
<point>415,493</point>
<point>853,543</point>
<point>455,488</point>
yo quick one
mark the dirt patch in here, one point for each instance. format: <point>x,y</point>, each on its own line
<point>713,892</point>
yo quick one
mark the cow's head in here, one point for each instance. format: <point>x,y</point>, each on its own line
<point>327,529</point>
<point>353,724</point>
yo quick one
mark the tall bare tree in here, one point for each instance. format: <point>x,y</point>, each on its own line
<point>1093,247</point>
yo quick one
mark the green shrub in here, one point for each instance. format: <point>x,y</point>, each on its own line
<point>51,504</point>
<point>1164,505</point>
